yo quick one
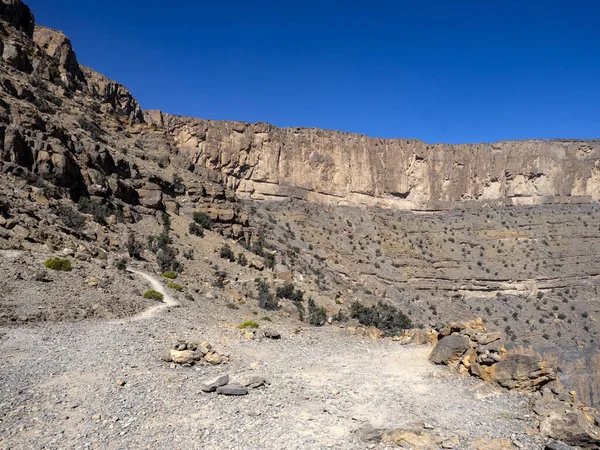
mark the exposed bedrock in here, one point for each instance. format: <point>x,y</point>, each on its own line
<point>262,161</point>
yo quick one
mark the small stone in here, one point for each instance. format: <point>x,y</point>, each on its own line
<point>213,358</point>
<point>212,385</point>
<point>255,381</point>
<point>272,334</point>
<point>166,355</point>
<point>120,383</point>
<point>182,357</point>
<point>232,389</point>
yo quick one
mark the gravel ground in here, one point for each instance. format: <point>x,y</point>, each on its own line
<point>58,386</point>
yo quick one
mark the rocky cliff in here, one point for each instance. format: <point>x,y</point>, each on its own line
<point>261,161</point>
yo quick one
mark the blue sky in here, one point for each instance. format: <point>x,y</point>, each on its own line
<point>454,71</point>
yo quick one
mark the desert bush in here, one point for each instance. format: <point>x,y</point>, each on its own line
<point>134,247</point>
<point>70,217</point>
<point>382,315</point>
<point>269,260</point>
<point>61,264</point>
<point>202,220</point>
<point>248,324</point>
<point>288,291</point>
<point>167,260</point>
<point>195,229</point>
<point>227,253</point>
<point>317,315</point>
<point>266,300</point>
<point>175,286</point>
<point>121,264</point>
<point>151,294</point>
<point>242,260</point>
<point>98,211</point>
<point>220,277</point>
<point>266,319</point>
<point>340,316</point>
<point>171,275</point>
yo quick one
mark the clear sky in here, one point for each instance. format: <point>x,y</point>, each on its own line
<point>453,71</point>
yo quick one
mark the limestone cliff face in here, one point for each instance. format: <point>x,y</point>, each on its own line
<point>262,161</point>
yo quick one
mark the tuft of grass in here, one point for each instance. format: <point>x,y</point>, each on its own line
<point>248,324</point>
<point>61,264</point>
<point>232,306</point>
<point>153,295</point>
<point>266,319</point>
<point>170,275</point>
<point>175,286</point>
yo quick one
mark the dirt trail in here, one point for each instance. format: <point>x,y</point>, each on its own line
<point>168,300</point>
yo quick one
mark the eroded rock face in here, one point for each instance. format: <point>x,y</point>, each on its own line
<point>18,15</point>
<point>58,46</point>
<point>261,161</point>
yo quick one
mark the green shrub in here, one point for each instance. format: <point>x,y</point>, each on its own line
<point>61,264</point>
<point>269,260</point>
<point>266,319</point>
<point>384,316</point>
<point>151,294</point>
<point>196,230</point>
<point>227,253</point>
<point>242,260</point>
<point>99,211</point>
<point>232,306</point>
<point>175,286</point>
<point>121,264</point>
<point>134,247</point>
<point>203,220</point>
<point>169,274</point>
<point>70,217</point>
<point>248,324</point>
<point>317,315</point>
<point>288,291</point>
<point>266,300</point>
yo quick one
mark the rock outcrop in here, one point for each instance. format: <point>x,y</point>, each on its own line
<point>262,161</point>
<point>472,349</point>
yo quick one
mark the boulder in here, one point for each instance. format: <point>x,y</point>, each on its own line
<point>151,196</point>
<point>283,272</point>
<point>212,385</point>
<point>232,389</point>
<point>526,373</point>
<point>272,334</point>
<point>255,382</point>
<point>450,349</point>
<point>572,427</point>
<point>14,56</point>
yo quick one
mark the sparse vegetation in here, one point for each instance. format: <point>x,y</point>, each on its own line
<point>382,315</point>
<point>226,253</point>
<point>70,217</point>
<point>151,294</point>
<point>195,229</point>
<point>317,315</point>
<point>248,324</point>
<point>60,264</point>
<point>171,275</point>
<point>288,291</point>
<point>134,247</point>
<point>175,286</point>
<point>202,220</point>
<point>266,300</point>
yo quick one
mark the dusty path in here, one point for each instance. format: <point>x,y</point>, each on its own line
<point>168,300</point>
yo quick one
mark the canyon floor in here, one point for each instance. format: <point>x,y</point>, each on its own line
<point>328,388</point>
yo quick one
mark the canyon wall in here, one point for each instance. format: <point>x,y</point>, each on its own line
<point>261,161</point>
